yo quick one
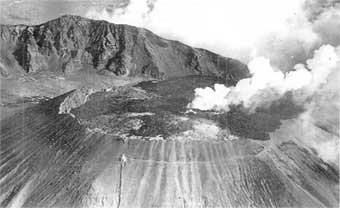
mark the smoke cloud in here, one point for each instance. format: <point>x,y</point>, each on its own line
<point>315,85</point>
<point>269,83</point>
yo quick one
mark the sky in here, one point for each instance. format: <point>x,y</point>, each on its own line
<point>39,11</point>
<point>286,31</point>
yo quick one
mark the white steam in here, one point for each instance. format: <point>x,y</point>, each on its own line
<point>268,83</point>
<point>314,85</point>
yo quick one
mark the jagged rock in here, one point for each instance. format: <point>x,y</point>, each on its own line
<point>75,99</point>
<point>70,43</point>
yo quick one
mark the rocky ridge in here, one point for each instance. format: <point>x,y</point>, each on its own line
<point>72,43</point>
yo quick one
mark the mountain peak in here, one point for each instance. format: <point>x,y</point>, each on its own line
<point>69,18</point>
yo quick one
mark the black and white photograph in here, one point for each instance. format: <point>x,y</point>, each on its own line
<point>169,103</point>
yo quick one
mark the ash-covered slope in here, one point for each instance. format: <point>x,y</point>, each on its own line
<point>72,43</point>
<point>140,147</point>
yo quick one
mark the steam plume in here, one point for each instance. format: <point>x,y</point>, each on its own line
<point>314,85</point>
<point>268,83</point>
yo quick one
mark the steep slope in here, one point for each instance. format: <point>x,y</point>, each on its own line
<point>72,43</point>
<point>138,146</point>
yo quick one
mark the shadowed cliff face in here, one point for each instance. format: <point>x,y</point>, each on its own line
<point>138,146</point>
<point>72,43</point>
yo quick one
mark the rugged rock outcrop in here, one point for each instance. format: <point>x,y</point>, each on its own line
<point>71,43</point>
